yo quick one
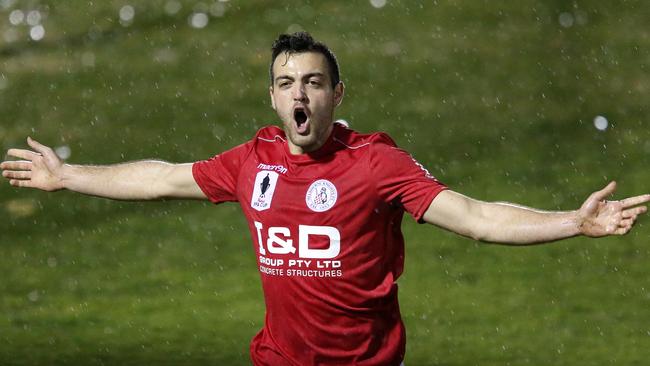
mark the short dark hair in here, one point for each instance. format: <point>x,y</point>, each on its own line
<point>303,42</point>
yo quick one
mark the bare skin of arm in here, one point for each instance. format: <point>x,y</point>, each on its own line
<point>507,223</point>
<point>496,222</point>
<point>141,180</point>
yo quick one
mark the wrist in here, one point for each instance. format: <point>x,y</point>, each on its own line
<point>577,222</point>
<point>65,176</point>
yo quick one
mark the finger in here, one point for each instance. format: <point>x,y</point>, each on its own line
<point>605,192</point>
<point>20,183</point>
<point>23,154</point>
<point>626,223</point>
<point>16,165</point>
<point>622,230</point>
<point>17,174</point>
<point>38,146</point>
<point>633,212</point>
<point>633,201</point>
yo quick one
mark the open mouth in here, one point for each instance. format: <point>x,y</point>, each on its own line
<point>301,118</point>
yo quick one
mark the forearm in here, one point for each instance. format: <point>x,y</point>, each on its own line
<point>139,180</point>
<point>507,223</point>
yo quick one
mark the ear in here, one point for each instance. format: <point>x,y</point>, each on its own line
<point>339,91</point>
<point>272,99</point>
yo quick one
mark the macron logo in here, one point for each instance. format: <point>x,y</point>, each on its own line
<point>277,168</point>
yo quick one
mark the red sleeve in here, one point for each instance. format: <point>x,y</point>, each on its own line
<point>400,179</point>
<point>217,176</point>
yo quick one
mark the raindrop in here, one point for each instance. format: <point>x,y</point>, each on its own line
<point>88,59</point>
<point>172,7</point>
<point>34,18</point>
<point>218,131</point>
<point>37,32</point>
<point>33,296</point>
<point>566,19</point>
<point>581,17</point>
<point>72,284</point>
<point>4,83</point>
<point>217,9</point>
<point>63,152</point>
<point>127,12</point>
<point>16,17</point>
<point>52,262</point>
<point>601,123</point>
<point>293,28</point>
<point>10,35</point>
<point>378,3</point>
<point>165,56</point>
<point>198,20</point>
<point>20,207</point>
<point>6,4</point>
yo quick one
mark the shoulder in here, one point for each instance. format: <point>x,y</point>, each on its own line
<point>264,138</point>
<point>268,138</point>
<point>269,134</point>
<point>354,140</point>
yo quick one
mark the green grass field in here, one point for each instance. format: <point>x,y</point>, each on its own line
<point>497,99</point>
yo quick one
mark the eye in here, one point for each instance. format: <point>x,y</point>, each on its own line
<point>284,84</point>
<point>314,82</point>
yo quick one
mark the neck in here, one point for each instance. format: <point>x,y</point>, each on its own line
<point>298,150</point>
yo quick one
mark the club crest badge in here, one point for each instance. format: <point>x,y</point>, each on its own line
<point>263,190</point>
<point>321,195</point>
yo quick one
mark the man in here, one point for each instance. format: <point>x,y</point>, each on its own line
<point>324,205</point>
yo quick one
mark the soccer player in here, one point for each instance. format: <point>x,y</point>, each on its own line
<point>324,206</point>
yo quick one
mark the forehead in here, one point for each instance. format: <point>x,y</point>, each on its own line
<point>297,64</point>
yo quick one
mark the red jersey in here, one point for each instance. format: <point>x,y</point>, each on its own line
<point>326,232</point>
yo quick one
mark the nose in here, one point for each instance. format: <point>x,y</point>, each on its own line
<point>299,93</point>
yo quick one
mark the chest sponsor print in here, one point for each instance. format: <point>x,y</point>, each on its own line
<point>263,189</point>
<point>321,195</point>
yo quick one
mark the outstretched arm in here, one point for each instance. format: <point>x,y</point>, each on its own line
<point>508,223</point>
<point>140,180</point>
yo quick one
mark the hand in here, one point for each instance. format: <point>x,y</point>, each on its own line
<point>599,217</point>
<point>41,169</point>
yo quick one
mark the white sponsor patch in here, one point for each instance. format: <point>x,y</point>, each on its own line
<point>263,190</point>
<point>321,195</point>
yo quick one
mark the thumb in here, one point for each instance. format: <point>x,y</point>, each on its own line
<point>605,192</point>
<point>37,146</point>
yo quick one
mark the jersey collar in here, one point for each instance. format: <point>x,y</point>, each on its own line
<point>328,148</point>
